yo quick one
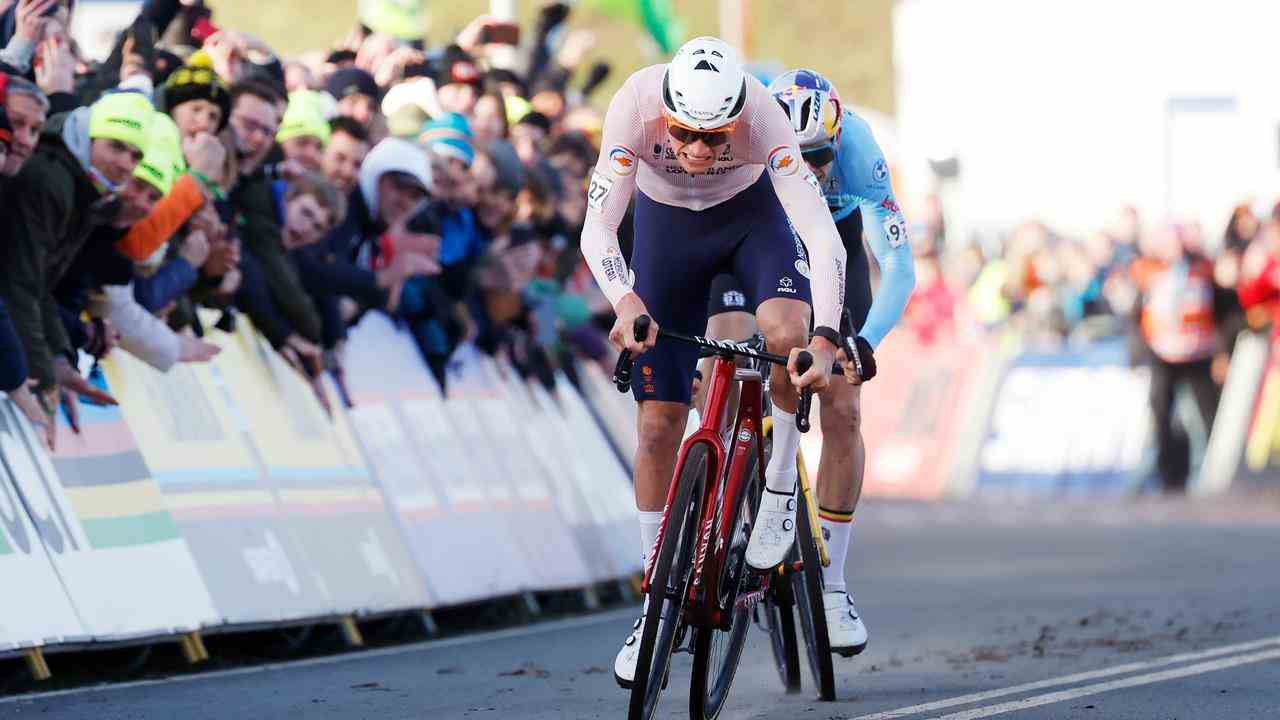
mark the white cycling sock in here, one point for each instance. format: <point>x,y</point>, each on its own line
<point>649,524</point>
<point>780,475</point>
<point>837,533</point>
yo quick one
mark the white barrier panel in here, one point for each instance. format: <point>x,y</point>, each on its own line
<point>477,406</point>
<point>456,536</point>
<point>607,484</point>
<point>554,553</point>
<point>617,411</point>
<point>34,607</point>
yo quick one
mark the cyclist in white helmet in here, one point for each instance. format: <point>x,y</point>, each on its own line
<point>839,149</point>
<point>721,185</point>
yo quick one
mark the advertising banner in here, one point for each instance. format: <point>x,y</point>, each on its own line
<point>113,543</point>
<point>34,608</point>
<point>1261,462</point>
<point>1068,423</point>
<point>914,414</point>
<point>196,440</point>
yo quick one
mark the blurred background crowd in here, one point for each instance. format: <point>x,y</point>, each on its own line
<point>195,178</point>
<point>1178,295</point>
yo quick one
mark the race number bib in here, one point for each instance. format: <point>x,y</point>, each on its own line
<point>598,191</point>
<point>895,229</point>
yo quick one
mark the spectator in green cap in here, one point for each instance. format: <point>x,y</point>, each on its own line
<point>303,131</point>
<point>67,188</point>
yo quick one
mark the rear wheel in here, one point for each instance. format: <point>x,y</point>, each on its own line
<point>807,586</point>
<point>717,652</point>
<point>774,614</point>
<point>668,587</point>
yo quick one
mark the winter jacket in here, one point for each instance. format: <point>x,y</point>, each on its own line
<point>50,209</point>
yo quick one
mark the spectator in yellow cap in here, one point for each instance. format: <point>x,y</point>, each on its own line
<point>303,131</point>
<point>118,134</point>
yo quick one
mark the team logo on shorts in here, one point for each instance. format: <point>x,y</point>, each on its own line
<point>622,161</point>
<point>802,267</point>
<point>733,298</point>
<point>783,162</point>
<point>889,204</point>
<point>785,284</point>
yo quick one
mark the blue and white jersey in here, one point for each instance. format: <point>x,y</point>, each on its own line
<point>859,178</point>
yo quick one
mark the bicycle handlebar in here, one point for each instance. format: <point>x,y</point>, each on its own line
<point>804,360</point>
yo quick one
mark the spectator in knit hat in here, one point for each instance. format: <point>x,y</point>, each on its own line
<point>344,154</point>
<point>460,82</point>
<point>357,94</point>
<point>369,255</point>
<point>196,98</point>
<point>27,108</point>
<point>67,188</point>
<point>528,136</point>
<point>303,130</point>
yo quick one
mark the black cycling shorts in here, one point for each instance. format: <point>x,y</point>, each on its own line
<point>679,251</point>
<point>727,296</point>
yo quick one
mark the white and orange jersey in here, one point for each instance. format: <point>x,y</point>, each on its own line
<point>636,152</point>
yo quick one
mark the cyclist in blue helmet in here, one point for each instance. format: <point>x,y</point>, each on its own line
<point>853,176</point>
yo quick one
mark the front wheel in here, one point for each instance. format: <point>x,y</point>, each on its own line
<point>807,586</point>
<point>668,586</point>
<point>717,652</point>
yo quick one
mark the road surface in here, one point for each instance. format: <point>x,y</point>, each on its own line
<point>1146,609</point>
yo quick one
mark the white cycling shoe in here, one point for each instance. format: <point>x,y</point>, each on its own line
<point>624,666</point>
<point>774,531</point>
<point>845,631</point>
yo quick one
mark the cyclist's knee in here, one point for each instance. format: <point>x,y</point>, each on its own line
<point>784,330</point>
<point>660,426</point>
<point>841,411</point>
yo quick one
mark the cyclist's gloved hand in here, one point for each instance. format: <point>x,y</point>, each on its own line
<point>862,368</point>
<point>630,307</point>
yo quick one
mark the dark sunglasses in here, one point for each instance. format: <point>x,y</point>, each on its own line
<point>819,156</point>
<point>684,135</point>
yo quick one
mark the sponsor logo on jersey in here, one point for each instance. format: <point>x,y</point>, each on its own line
<point>889,204</point>
<point>622,161</point>
<point>881,171</point>
<point>614,267</point>
<point>783,162</point>
<point>802,267</point>
<point>744,435</point>
<point>727,154</point>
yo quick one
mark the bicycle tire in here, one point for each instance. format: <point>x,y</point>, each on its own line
<point>777,609</point>
<point>666,603</point>
<point>807,586</point>
<point>707,699</point>
<point>780,623</point>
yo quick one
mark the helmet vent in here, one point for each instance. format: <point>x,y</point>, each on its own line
<point>704,65</point>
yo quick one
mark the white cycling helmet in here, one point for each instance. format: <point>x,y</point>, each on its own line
<point>812,105</point>
<point>704,87</point>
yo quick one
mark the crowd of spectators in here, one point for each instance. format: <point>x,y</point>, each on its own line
<point>1179,298</point>
<point>195,178</point>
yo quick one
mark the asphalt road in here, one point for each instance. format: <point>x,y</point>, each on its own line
<point>1169,609</point>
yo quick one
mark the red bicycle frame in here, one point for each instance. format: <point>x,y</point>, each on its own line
<point>706,604</point>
